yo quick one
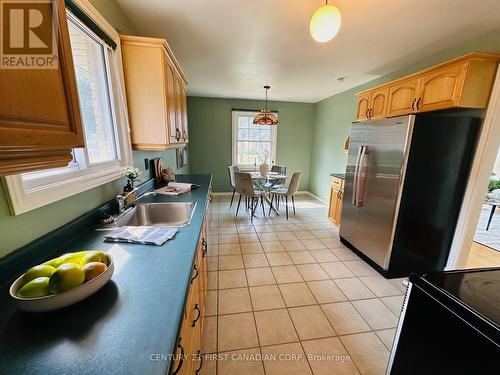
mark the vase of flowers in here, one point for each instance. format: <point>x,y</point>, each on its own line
<point>131,173</point>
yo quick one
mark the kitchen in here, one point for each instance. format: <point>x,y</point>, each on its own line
<point>180,90</point>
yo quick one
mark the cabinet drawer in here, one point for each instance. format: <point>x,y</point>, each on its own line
<point>337,183</point>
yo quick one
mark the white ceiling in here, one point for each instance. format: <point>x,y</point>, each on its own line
<point>231,48</point>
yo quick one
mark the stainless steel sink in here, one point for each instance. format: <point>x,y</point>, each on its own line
<point>170,214</point>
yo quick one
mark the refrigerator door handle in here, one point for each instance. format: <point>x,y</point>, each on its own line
<point>360,181</point>
<point>355,180</point>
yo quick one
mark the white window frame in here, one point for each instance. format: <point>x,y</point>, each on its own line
<point>75,180</point>
<point>274,137</point>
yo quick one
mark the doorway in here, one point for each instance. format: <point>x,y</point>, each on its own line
<point>485,248</point>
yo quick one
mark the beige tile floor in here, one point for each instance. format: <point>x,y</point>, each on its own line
<point>286,297</point>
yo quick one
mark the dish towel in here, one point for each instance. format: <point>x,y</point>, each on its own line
<point>143,235</point>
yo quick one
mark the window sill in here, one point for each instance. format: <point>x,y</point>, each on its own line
<point>22,200</point>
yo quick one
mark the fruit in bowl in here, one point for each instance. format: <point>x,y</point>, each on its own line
<point>38,287</point>
<point>67,276</point>
<point>62,281</point>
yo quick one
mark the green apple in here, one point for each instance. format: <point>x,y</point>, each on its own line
<point>66,258</point>
<point>38,287</point>
<point>94,256</point>
<point>42,270</point>
<point>65,277</point>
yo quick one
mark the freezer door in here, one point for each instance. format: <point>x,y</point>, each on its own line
<point>377,190</point>
<point>349,210</point>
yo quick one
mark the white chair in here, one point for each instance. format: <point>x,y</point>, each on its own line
<point>293,186</point>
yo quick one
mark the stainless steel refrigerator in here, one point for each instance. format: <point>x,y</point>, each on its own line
<point>405,181</point>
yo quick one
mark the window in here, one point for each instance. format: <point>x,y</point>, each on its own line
<point>252,144</point>
<point>92,76</point>
<point>105,124</point>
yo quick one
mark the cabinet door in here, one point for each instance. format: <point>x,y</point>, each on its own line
<point>378,103</point>
<point>178,106</point>
<point>40,121</point>
<point>174,130</point>
<point>333,208</point>
<point>441,88</point>
<point>339,205</point>
<point>185,132</point>
<point>363,106</point>
<point>402,97</point>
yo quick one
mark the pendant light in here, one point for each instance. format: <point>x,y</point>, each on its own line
<point>265,116</point>
<point>325,23</point>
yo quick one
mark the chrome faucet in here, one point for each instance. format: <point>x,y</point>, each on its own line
<point>120,199</point>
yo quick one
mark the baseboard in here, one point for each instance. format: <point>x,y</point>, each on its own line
<point>314,196</point>
<point>302,192</point>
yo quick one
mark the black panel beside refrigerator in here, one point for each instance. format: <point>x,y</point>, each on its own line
<point>434,169</point>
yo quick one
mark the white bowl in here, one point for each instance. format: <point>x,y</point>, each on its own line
<point>60,300</point>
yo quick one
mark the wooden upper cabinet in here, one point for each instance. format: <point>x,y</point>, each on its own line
<point>402,97</point>
<point>464,82</point>
<point>155,86</point>
<point>185,130</point>
<point>378,103</point>
<point>40,120</point>
<point>372,104</point>
<point>441,88</point>
<point>175,132</point>
<point>363,106</point>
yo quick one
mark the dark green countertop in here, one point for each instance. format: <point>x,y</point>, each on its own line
<point>338,175</point>
<point>121,328</point>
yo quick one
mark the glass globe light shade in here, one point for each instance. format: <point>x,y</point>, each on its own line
<point>325,23</point>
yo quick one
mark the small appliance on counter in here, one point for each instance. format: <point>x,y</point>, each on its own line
<point>405,181</point>
<point>449,324</point>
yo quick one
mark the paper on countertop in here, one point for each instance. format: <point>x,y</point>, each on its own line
<point>175,188</point>
<point>143,235</point>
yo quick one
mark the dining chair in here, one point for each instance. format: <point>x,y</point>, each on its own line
<point>245,188</point>
<point>293,186</point>
<point>232,169</point>
<point>281,169</point>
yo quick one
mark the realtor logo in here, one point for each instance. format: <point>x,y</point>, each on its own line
<point>28,34</point>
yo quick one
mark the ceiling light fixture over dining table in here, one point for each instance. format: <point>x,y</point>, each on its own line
<point>265,116</point>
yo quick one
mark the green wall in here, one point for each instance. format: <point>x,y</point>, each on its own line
<point>16,231</point>
<point>210,132</point>
<point>334,115</point>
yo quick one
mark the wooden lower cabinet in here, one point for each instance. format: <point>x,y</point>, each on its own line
<point>336,199</point>
<point>188,359</point>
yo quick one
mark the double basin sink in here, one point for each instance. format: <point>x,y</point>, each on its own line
<point>168,214</point>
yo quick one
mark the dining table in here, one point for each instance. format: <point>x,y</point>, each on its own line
<point>266,182</point>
